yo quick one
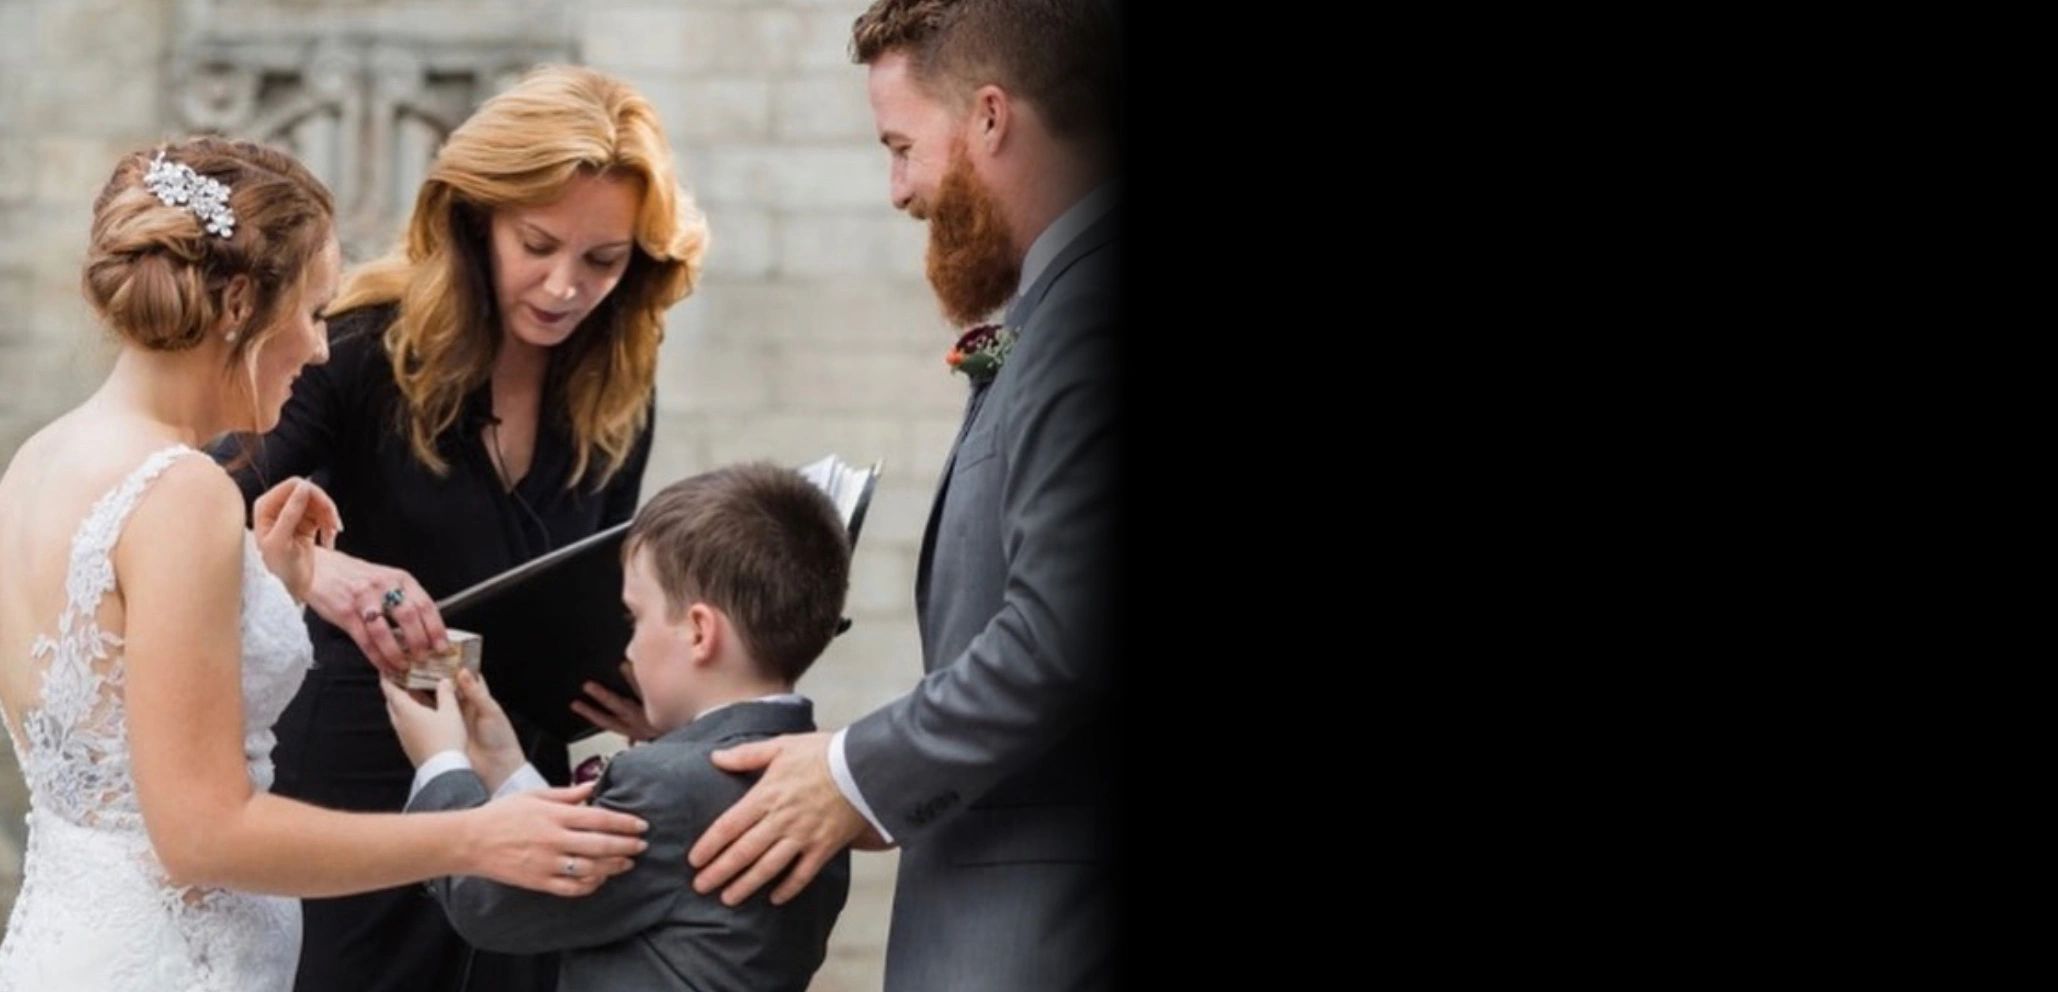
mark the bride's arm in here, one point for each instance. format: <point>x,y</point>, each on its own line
<point>179,566</point>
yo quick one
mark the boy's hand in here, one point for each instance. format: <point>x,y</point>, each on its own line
<point>494,750</point>
<point>425,731</point>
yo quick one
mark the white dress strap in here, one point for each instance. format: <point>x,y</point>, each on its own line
<point>91,571</point>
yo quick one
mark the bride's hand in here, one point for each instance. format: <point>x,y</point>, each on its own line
<point>531,838</point>
<point>290,521</point>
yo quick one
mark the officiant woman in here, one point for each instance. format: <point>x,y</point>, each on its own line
<point>488,398</point>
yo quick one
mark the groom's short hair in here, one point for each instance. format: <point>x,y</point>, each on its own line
<point>761,544</point>
<point>1060,55</point>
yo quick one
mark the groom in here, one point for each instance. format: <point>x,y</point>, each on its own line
<point>991,774</point>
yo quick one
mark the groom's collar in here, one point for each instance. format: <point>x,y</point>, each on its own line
<point>1075,230</point>
<point>1069,225</point>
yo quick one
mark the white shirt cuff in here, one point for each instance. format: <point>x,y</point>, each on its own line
<point>438,763</point>
<point>525,779</point>
<point>839,769</point>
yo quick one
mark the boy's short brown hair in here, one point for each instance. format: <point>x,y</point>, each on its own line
<point>761,544</point>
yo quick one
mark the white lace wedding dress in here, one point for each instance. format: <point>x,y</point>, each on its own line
<point>96,911</point>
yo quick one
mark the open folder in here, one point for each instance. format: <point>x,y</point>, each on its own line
<point>553,623</point>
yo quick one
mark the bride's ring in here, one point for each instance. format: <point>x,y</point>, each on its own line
<point>394,597</point>
<point>570,869</point>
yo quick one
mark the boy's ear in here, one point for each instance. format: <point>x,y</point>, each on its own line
<point>704,632</point>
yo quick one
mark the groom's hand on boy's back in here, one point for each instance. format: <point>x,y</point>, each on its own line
<point>793,817</point>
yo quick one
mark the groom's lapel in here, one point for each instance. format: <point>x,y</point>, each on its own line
<point>972,404</point>
<point>1017,318</point>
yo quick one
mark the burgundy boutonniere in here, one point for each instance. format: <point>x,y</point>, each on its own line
<point>981,352</point>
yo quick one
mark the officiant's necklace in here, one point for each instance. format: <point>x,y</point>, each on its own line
<point>500,472</point>
<point>499,460</point>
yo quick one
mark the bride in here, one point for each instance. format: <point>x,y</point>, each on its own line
<point>148,641</point>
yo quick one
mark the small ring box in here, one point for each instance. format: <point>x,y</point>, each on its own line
<point>466,648</point>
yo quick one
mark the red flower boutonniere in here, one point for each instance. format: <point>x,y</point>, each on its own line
<point>981,352</point>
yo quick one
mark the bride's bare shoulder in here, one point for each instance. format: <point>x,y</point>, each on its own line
<point>30,464</point>
<point>79,457</point>
<point>196,484</point>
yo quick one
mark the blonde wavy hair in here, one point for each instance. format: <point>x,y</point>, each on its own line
<point>521,149</point>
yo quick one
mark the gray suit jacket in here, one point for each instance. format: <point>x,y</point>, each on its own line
<point>647,928</point>
<point>993,774</point>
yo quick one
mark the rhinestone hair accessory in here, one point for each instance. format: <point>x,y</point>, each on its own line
<point>177,185</point>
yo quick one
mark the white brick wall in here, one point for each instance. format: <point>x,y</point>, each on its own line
<point>900,509</point>
<point>695,375</point>
<point>834,312</point>
<point>823,38</point>
<point>693,38</point>
<point>698,109</point>
<point>825,105</point>
<point>76,167</point>
<point>794,177</point>
<point>112,94</point>
<point>882,581</point>
<point>852,382</point>
<point>20,24</point>
<point>824,245</point>
<point>748,245</point>
<point>17,173</point>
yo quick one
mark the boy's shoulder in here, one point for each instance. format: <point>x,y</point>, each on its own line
<point>660,758</point>
<point>680,765</point>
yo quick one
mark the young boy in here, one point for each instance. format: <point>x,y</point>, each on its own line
<point>735,580</point>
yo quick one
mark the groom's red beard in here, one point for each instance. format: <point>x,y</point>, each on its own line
<point>972,261</point>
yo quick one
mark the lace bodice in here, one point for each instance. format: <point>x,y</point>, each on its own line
<point>96,906</point>
<point>74,745</point>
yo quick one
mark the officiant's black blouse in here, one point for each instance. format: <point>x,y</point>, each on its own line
<point>343,429</point>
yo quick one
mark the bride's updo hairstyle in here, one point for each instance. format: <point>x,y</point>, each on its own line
<point>158,272</point>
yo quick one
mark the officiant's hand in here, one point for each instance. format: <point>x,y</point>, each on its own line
<point>794,816</point>
<point>616,712</point>
<point>526,839</point>
<point>351,592</point>
<point>291,521</point>
<point>425,731</point>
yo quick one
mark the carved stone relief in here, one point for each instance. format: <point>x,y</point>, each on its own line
<point>365,109</point>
